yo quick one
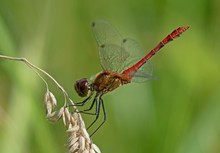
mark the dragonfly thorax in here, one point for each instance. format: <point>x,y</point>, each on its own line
<point>107,81</point>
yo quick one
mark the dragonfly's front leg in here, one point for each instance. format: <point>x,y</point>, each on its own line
<point>83,102</point>
<point>91,107</point>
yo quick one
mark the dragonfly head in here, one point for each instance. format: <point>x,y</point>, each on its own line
<point>82,87</point>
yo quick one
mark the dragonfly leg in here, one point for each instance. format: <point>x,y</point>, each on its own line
<point>103,108</point>
<point>86,110</point>
<point>96,112</point>
<point>83,102</point>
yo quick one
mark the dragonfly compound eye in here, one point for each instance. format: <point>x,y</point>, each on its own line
<point>82,87</point>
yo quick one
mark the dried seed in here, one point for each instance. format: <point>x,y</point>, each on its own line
<point>96,148</point>
<point>85,133</point>
<point>82,142</point>
<point>50,98</point>
<point>73,129</point>
<point>55,116</point>
<point>91,151</point>
<point>72,141</point>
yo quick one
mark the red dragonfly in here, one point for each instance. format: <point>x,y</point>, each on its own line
<point>120,63</point>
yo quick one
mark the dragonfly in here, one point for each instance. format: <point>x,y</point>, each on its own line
<point>120,65</point>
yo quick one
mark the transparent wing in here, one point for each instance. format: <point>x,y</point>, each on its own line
<point>112,57</point>
<point>111,54</point>
<point>105,33</point>
<point>136,53</point>
<point>117,54</point>
<point>144,73</point>
<point>134,50</point>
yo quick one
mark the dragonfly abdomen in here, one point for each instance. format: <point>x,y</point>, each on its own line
<point>176,33</point>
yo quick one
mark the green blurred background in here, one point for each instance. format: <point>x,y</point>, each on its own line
<point>177,113</point>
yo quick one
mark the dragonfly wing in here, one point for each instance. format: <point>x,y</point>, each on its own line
<point>105,33</point>
<point>109,41</point>
<point>134,49</point>
<point>136,53</point>
<point>111,57</point>
<point>144,73</point>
